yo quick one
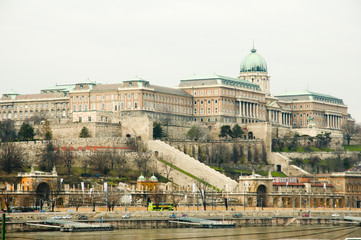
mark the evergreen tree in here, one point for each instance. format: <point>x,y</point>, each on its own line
<point>157,131</point>
<point>26,132</point>
<point>225,131</point>
<point>84,133</point>
<point>237,131</point>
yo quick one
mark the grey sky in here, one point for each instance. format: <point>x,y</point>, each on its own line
<point>305,43</point>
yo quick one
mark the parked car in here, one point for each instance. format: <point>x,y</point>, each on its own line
<point>126,216</point>
<point>172,216</point>
<point>68,217</point>
<point>305,215</point>
<point>82,217</point>
<point>57,217</point>
<point>335,215</point>
<point>238,215</point>
<point>183,215</point>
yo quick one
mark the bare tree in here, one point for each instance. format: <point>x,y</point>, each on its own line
<point>68,157</point>
<point>203,187</point>
<point>157,197</point>
<point>113,199</point>
<point>101,161</point>
<point>49,157</point>
<point>168,167</point>
<point>55,194</point>
<point>11,157</point>
<point>220,154</point>
<point>7,130</point>
<point>76,200</point>
<point>142,161</point>
<point>175,197</point>
<point>94,199</point>
<point>350,129</point>
<point>7,198</point>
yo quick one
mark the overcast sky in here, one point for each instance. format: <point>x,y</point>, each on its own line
<point>306,44</point>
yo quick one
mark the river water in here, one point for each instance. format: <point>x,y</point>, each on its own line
<point>303,232</point>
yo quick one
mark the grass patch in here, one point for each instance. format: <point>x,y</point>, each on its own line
<point>310,149</point>
<point>354,148</point>
<point>248,173</point>
<point>189,175</point>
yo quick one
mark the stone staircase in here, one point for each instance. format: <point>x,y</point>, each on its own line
<point>286,165</point>
<point>192,166</point>
<point>177,177</point>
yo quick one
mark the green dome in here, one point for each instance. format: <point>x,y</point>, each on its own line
<point>141,177</point>
<point>253,63</point>
<point>154,178</point>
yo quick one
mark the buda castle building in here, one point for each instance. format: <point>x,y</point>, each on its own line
<point>214,98</point>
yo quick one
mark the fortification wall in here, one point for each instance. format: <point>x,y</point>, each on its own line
<point>68,130</point>
<point>137,126</point>
<point>248,151</point>
<point>80,146</point>
<point>321,155</point>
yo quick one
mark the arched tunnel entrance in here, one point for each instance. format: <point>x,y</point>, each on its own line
<point>42,194</point>
<point>261,196</point>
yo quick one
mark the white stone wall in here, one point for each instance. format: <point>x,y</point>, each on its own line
<point>192,166</point>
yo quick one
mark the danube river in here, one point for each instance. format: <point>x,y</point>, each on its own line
<point>303,232</point>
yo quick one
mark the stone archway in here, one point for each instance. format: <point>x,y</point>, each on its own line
<point>42,194</point>
<point>261,196</point>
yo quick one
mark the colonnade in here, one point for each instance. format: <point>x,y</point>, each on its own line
<point>249,109</point>
<point>333,121</point>
<point>279,117</point>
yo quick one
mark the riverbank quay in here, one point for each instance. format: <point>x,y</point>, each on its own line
<point>144,219</point>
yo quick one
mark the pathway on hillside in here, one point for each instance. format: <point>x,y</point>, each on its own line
<point>192,166</point>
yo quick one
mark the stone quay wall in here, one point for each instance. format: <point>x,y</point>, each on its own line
<point>144,219</point>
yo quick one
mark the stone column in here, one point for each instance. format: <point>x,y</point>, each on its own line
<point>246,109</point>
<point>332,121</point>
<point>288,119</point>
<point>240,108</point>
<point>253,110</point>
<point>327,121</point>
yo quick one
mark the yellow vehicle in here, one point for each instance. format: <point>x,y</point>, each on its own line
<point>160,207</point>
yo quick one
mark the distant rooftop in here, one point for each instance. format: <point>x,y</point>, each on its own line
<point>308,95</point>
<point>223,80</point>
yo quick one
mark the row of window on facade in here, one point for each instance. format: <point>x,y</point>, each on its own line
<point>21,115</point>
<point>317,106</point>
<point>37,106</point>
<point>228,92</point>
<point>129,96</point>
